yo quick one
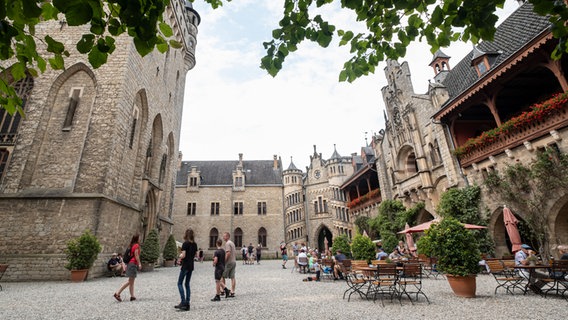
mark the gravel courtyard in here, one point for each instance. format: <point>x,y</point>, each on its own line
<point>264,291</point>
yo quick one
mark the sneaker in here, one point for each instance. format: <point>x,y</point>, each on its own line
<point>178,306</point>
<point>184,307</point>
<point>227,292</point>
<point>216,298</point>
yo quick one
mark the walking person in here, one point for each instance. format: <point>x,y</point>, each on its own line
<point>284,253</point>
<point>187,255</point>
<point>132,267</point>
<point>219,265</point>
<point>230,265</point>
<point>258,252</point>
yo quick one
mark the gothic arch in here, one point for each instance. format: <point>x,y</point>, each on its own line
<point>140,103</point>
<point>70,101</point>
<point>406,161</point>
<point>150,211</point>
<point>323,233</point>
<point>558,222</point>
<point>154,148</point>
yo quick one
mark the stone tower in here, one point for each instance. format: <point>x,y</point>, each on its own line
<point>97,150</point>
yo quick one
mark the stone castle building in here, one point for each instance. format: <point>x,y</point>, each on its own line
<point>97,150</point>
<point>424,149</point>
<point>258,202</point>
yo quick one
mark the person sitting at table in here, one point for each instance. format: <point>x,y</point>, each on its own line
<point>563,251</point>
<point>302,260</point>
<point>395,255</point>
<point>522,259</point>
<point>381,254</point>
<point>401,248</point>
<point>337,260</point>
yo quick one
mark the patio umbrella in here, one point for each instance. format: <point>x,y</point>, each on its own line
<point>512,230</point>
<point>365,233</point>
<point>426,225</point>
<point>409,240</point>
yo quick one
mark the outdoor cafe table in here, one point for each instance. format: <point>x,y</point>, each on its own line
<point>532,271</point>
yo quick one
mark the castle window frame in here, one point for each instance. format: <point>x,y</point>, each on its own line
<point>75,95</point>
<point>261,208</point>
<point>191,208</point>
<point>215,208</point>
<point>238,208</point>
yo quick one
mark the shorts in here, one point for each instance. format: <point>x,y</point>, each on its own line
<point>132,270</point>
<point>219,273</point>
<point>285,257</point>
<point>229,272</point>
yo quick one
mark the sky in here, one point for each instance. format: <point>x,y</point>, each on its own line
<point>232,106</point>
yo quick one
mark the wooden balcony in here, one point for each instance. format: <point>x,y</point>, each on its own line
<point>529,132</point>
<point>366,200</point>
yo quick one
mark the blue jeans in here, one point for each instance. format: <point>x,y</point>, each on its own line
<point>184,274</point>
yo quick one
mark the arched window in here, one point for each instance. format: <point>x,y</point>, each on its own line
<point>262,237</point>
<point>213,236</point>
<point>238,237</point>
<point>411,164</point>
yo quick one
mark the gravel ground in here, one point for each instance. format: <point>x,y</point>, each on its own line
<point>264,291</point>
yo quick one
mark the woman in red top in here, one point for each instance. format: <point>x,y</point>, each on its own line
<point>132,269</point>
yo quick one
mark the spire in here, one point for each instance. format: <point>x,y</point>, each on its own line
<point>440,62</point>
<point>292,166</point>
<point>335,154</point>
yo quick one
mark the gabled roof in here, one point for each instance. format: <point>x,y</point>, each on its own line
<point>220,173</point>
<point>513,34</point>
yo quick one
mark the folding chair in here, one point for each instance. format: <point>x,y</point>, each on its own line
<point>3,268</point>
<point>557,282</point>
<point>410,281</point>
<point>303,264</point>
<point>385,282</point>
<point>507,279</point>
<point>326,269</point>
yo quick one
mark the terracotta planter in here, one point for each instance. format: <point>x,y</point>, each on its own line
<point>146,267</point>
<point>463,286</point>
<point>79,275</point>
<point>168,263</point>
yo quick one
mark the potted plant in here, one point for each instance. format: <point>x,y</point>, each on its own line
<point>457,253</point>
<point>150,251</point>
<point>363,248</point>
<point>81,254</point>
<point>170,251</point>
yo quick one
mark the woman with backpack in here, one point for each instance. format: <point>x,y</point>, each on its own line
<point>132,260</point>
<point>188,253</point>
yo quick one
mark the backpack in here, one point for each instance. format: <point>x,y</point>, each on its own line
<point>127,255</point>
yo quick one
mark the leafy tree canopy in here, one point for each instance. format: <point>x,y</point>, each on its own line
<point>391,25</point>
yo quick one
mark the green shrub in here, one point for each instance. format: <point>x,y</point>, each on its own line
<point>363,248</point>
<point>82,252</point>
<point>170,249</point>
<point>455,247</point>
<point>150,249</point>
<point>342,243</point>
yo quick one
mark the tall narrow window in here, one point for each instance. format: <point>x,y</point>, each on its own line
<point>238,181</point>
<point>238,237</point>
<point>133,128</point>
<point>213,236</point>
<point>193,181</point>
<point>191,208</point>
<point>215,208</point>
<point>73,103</point>
<point>262,237</point>
<point>238,208</point>
<point>9,123</point>
<point>163,165</point>
<point>262,208</point>
<point>3,161</point>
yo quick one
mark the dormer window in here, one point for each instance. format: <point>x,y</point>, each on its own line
<point>482,61</point>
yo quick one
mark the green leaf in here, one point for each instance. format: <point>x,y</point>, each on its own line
<point>57,62</point>
<point>53,45</point>
<point>97,58</point>
<point>31,10</point>
<point>143,47</point>
<point>166,29</point>
<point>77,15</point>
<point>86,43</point>
<point>175,44</point>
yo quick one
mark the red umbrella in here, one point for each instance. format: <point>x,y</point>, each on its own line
<point>426,226</point>
<point>409,240</point>
<point>512,230</point>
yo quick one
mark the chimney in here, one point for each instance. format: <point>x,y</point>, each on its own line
<point>275,162</point>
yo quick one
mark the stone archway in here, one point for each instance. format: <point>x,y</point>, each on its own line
<point>324,234</point>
